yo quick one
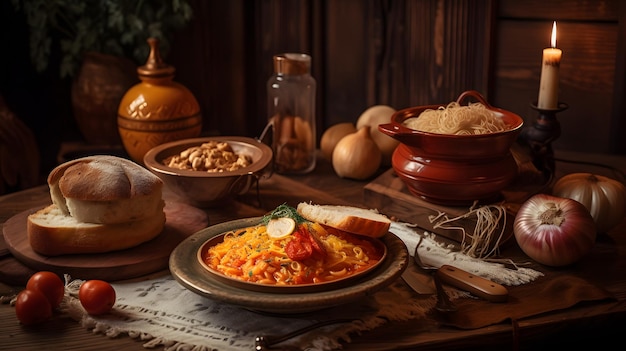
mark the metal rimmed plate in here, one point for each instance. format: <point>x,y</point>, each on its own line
<point>290,289</point>
<point>187,270</point>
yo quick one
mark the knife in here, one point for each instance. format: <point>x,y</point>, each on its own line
<point>484,288</point>
<point>419,281</point>
<point>479,286</point>
<point>422,283</point>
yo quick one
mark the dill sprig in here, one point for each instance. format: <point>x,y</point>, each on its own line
<point>284,210</point>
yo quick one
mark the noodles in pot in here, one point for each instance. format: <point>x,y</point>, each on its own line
<point>459,120</point>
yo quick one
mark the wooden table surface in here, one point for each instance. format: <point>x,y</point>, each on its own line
<point>600,324</point>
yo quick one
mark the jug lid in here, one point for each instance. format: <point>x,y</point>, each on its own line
<point>155,67</point>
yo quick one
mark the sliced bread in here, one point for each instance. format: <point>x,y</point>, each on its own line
<point>52,232</point>
<point>351,219</point>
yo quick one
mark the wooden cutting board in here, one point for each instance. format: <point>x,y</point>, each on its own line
<point>181,221</point>
<point>389,194</point>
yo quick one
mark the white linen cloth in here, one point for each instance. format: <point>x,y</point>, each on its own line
<point>436,254</point>
<point>163,313</point>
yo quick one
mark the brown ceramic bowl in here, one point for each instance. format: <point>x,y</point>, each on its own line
<point>207,189</point>
<point>454,169</point>
<point>449,146</point>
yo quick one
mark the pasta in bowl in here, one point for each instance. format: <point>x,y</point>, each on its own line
<point>455,132</point>
<point>250,258</point>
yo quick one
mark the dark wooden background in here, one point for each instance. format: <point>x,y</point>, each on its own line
<point>401,53</point>
<point>410,52</point>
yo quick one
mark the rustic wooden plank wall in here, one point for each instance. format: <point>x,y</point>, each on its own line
<point>426,51</point>
<point>588,35</point>
<point>618,117</point>
<point>225,56</point>
<point>365,52</point>
<point>401,53</point>
<point>410,52</point>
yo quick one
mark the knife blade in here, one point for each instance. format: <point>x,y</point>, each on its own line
<point>420,282</point>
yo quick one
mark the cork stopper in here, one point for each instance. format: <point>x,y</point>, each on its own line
<point>155,67</point>
<point>293,64</point>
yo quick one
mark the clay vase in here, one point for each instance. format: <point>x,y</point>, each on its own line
<point>157,110</point>
<point>96,93</point>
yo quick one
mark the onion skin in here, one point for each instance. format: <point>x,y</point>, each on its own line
<point>332,135</point>
<point>356,155</point>
<point>605,198</point>
<point>372,117</point>
<point>554,231</point>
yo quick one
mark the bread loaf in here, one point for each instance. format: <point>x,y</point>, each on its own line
<point>347,218</point>
<point>51,232</point>
<point>105,190</point>
<point>99,204</point>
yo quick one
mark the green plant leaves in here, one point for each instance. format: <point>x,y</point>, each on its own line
<point>117,27</point>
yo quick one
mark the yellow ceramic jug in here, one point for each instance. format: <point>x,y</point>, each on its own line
<point>157,110</point>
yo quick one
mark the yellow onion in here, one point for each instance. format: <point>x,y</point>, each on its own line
<point>356,155</point>
<point>372,117</point>
<point>554,231</point>
<point>332,135</point>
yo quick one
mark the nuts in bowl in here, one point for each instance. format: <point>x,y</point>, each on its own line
<point>212,156</point>
<point>205,171</point>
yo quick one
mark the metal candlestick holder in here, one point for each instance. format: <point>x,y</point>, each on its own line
<point>540,135</point>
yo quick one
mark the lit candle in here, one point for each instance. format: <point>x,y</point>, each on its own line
<point>549,84</point>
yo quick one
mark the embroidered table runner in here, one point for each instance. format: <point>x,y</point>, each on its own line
<point>162,312</point>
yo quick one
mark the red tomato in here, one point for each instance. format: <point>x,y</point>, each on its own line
<point>32,307</point>
<point>299,247</point>
<point>96,296</point>
<point>48,284</point>
<point>318,248</point>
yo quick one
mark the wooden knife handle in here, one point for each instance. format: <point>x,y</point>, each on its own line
<point>479,286</point>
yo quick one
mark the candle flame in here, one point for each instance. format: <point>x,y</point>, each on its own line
<point>553,39</point>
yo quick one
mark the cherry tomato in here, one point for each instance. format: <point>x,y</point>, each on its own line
<point>48,284</point>
<point>96,296</point>
<point>32,307</point>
